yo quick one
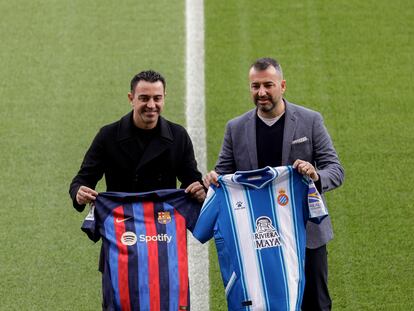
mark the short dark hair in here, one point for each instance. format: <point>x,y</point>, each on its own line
<point>149,76</point>
<point>264,62</point>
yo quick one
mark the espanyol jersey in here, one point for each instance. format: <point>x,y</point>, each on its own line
<point>144,248</point>
<point>258,222</point>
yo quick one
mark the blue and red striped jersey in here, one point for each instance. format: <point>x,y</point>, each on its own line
<point>144,242</point>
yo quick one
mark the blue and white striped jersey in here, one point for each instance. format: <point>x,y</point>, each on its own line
<point>258,220</point>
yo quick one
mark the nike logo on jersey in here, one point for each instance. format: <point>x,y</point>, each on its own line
<point>118,220</point>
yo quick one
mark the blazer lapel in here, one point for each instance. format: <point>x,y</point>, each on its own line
<point>250,132</point>
<point>289,132</point>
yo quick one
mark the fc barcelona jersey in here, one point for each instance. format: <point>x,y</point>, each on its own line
<point>144,248</point>
<point>258,219</point>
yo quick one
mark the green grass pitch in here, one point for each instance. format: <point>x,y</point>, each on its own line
<point>65,67</point>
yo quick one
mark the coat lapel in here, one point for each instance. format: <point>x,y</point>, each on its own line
<point>250,132</point>
<point>289,132</point>
<point>127,142</point>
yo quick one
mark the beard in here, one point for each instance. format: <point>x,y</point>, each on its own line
<point>267,107</point>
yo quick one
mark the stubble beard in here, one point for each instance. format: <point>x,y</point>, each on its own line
<point>266,107</point>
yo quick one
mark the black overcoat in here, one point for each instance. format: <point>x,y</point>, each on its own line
<point>116,154</point>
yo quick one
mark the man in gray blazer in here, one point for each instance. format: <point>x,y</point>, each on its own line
<point>279,133</point>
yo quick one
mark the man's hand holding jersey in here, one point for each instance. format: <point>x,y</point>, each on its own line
<point>211,178</point>
<point>85,195</point>
<point>305,168</point>
<point>196,191</point>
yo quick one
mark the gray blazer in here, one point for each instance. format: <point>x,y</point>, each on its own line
<point>305,137</point>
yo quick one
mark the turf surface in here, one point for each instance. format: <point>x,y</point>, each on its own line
<point>65,70</point>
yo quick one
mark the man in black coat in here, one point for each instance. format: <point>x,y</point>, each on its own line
<point>140,152</point>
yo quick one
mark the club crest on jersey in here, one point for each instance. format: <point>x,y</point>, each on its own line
<point>266,235</point>
<point>282,198</point>
<point>239,205</point>
<point>129,238</point>
<point>164,217</point>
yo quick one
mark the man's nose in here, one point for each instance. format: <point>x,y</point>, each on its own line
<point>262,91</point>
<point>151,103</point>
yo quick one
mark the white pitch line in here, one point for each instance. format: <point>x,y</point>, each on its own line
<point>198,263</point>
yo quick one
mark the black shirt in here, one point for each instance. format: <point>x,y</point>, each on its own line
<point>144,136</point>
<point>269,142</point>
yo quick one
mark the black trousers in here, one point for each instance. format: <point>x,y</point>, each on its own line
<point>316,296</point>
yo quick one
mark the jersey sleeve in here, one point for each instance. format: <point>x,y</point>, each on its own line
<point>316,206</point>
<point>204,229</point>
<point>188,207</point>
<point>89,225</point>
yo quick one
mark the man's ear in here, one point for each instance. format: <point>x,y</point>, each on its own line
<point>130,96</point>
<point>283,85</point>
